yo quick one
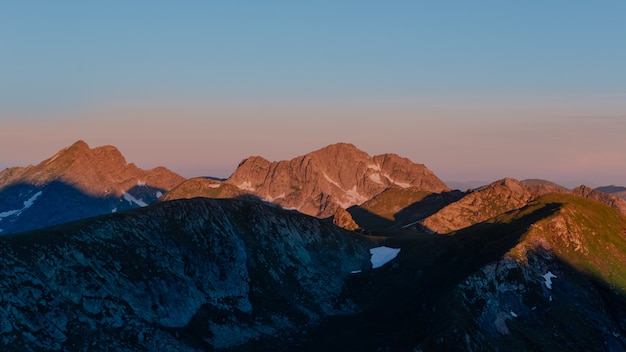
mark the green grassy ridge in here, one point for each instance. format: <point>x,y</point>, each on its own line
<point>599,230</point>
<point>201,187</point>
<point>392,200</point>
<point>443,261</point>
<point>594,241</point>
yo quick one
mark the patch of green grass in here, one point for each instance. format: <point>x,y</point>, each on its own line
<point>392,200</point>
<point>584,233</point>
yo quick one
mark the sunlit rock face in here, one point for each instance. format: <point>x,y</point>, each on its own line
<point>183,275</point>
<point>503,196</point>
<point>339,175</point>
<point>75,183</point>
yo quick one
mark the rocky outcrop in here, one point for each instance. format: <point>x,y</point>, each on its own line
<point>477,206</point>
<point>75,183</point>
<point>185,275</point>
<point>487,202</point>
<point>344,220</point>
<point>602,197</point>
<point>339,175</point>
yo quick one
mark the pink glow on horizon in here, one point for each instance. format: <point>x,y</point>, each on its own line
<point>460,142</point>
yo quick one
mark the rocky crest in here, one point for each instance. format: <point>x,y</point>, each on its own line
<point>98,172</point>
<point>479,205</point>
<point>604,198</point>
<point>339,175</point>
<point>75,183</point>
<point>344,220</point>
<point>503,196</point>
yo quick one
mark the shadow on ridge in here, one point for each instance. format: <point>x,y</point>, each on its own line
<point>406,218</point>
<point>400,301</point>
<point>26,207</point>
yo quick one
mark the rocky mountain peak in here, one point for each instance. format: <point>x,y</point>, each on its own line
<point>100,171</point>
<point>338,175</point>
<point>74,183</point>
<point>477,206</point>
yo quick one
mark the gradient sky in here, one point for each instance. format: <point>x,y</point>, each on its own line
<point>475,90</point>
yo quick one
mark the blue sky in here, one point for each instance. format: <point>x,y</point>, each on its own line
<point>521,89</point>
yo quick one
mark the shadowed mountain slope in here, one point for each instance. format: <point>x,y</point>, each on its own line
<point>205,274</point>
<point>560,288</point>
<point>77,182</point>
<point>198,274</point>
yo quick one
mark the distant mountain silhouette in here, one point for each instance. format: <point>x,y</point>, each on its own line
<point>618,191</point>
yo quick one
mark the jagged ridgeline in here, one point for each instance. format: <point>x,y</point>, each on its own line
<point>318,183</point>
<point>510,266</point>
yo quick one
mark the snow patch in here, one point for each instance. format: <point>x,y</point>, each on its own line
<point>27,204</point>
<point>158,194</point>
<point>246,186</point>
<point>401,184</point>
<point>382,255</point>
<point>141,183</point>
<point>114,210</point>
<point>216,185</point>
<point>8,213</point>
<point>376,178</point>
<point>548,277</point>
<point>355,197</point>
<point>129,198</point>
<point>55,156</point>
<point>513,314</point>
<point>271,199</point>
<point>352,272</point>
<point>373,167</point>
<point>332,181</point>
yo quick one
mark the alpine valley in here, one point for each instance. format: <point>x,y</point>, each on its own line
<point>334,250</point>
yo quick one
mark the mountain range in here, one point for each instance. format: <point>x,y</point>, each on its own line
<point>332,250</point>
<point>318,183</point>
